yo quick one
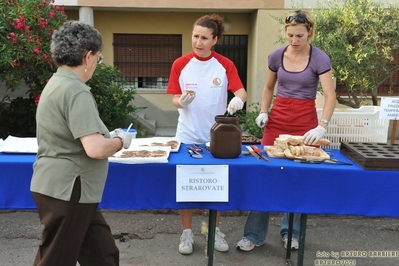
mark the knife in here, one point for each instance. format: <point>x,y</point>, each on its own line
<point>252,152</point>
<point>258,151</point>
<point>333,161</point>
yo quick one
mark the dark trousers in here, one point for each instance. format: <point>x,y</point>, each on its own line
<point>73,232</point>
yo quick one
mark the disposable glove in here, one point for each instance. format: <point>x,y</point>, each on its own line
<point>235,104</point>
<point>186,98</point>
<point>314,135</point>
<point>261,119</point>
<point>125,136</point>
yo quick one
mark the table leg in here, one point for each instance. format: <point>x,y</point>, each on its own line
<point>302,234</point>
<point>290,228</point>
<point>211,236</point>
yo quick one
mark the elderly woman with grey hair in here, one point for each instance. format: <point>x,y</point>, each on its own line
<point>72,160</point>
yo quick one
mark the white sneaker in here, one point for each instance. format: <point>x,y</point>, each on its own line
<point>245,245</point>
<point>294,243</point>
<point>186,242</point>
<point>220,243</point>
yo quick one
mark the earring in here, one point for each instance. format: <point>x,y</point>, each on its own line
<point>85,70</point>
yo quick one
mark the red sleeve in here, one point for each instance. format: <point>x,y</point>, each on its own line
<point>177,67</point>
<point>232,73</point>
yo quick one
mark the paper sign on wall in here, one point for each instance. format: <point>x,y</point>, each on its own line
<point>202,183</point>
<point>389,108</point>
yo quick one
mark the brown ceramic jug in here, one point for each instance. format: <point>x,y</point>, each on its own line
<point>226,137</point>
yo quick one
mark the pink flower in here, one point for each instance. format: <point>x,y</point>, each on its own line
<point>52,14</point>
<point>36,50</point>
<point>37,99</point>
<point>42,23</point>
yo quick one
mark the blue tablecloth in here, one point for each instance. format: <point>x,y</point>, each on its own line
<point>280,185</point>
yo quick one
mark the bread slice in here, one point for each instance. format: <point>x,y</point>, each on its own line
<point>191,92</point>
<point>296,140</point>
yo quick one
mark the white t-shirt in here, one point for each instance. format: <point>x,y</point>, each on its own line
<point>210,78</point>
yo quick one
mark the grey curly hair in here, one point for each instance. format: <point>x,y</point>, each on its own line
<point>72,41</point>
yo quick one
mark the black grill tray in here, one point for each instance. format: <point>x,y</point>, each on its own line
<point>372,156</point>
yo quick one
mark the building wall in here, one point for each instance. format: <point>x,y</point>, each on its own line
<point>153,23</point>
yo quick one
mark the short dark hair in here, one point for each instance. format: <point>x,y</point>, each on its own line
<point>72,41</point>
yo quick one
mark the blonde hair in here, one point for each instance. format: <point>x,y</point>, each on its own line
<point>309,23</point>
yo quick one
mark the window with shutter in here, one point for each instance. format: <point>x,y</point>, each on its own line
<point>145,60</point>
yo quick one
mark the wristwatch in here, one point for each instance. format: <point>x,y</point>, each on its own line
<point>325,121</point>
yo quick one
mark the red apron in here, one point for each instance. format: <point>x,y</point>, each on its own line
<point>289,116</point>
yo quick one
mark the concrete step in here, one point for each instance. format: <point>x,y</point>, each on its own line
<point>165,131</point>
<point>149,124</point>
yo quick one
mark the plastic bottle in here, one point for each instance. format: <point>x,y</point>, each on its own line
<point>226,137</point>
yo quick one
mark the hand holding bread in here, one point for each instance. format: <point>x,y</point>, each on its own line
<point>314,135</point>
<point>186,98</point>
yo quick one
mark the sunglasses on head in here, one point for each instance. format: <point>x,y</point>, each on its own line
<point>297,18</point>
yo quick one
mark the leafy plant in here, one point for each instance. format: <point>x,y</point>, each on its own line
<point>26,27</point>
<point>17,117</point>
<point>25,34</point>
<point>360,36</point>
<point>246,118</point>
<point>113,97</point>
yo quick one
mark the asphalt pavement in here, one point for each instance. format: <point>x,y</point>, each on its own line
<point>152,238</point>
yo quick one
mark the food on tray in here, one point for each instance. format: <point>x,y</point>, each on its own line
<point>172,143</point>
<point>164,142</point>
<point>143,154</point>
<point>249,139</point>
<point>293,147</point>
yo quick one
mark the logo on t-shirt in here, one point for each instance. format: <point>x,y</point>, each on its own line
<point>217,82</point>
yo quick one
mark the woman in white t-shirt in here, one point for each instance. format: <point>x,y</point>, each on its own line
<point>199,82</point>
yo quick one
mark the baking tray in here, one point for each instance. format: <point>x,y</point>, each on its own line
<point>372,155</point>
<point>19,145</point>
<point>116,158</point>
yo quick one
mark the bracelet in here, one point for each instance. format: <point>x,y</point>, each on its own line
<point>122,142</point>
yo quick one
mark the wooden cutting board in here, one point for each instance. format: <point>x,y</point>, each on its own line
<point>323,155</point>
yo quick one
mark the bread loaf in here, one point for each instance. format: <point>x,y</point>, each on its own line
<point>296,140</point>
<point>299,140</point>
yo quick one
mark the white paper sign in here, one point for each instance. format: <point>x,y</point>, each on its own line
<point>202,183</point>
<point>389,108</point>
